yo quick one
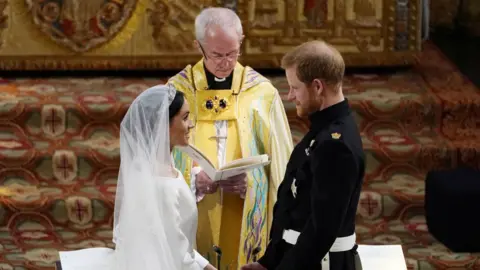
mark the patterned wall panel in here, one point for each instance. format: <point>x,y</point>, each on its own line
<point>108,34</point>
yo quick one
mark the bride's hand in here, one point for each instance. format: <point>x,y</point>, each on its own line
<point>210,267</point>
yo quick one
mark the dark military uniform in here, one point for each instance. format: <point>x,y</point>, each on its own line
<point>317,200</point>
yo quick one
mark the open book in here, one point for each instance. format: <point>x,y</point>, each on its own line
<point>230,169</point>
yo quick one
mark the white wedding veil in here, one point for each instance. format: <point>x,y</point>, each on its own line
<point>141,229</point>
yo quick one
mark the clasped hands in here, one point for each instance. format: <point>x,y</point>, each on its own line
<point>253,266</point>
<point>235,184</point>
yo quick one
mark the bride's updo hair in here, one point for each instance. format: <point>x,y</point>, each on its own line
<point>176,104</point>
<point>141,120</point>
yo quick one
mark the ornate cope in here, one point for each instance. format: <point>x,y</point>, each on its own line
<point>214,105</point>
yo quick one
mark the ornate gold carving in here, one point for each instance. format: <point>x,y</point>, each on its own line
<point>365,13</point>
<point>131,26</point>
<point>81,25</point>
<point>265,44</point>
<point>353,26</point>
<point>287,21</point>
<point>265,14</point>
<point>175,62</point>
<point>173,23</point>
<point>3,19</point>
<point>316,12</point>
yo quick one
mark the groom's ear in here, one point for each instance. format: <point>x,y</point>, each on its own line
<point>318,87</point>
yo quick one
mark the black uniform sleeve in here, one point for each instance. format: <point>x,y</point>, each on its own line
<point>335,171</point>
<point>267,259</point>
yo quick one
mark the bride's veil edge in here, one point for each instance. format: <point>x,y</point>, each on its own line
<point>142,231</point>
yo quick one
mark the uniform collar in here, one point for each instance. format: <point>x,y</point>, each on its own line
<point>320,119</point>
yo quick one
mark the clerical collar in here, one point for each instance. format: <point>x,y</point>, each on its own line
<point>324,117</point>
<point>215,83</point>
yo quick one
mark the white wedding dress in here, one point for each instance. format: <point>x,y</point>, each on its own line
<point>185,216</point>
<point>182,230</point>
<point>155,215</point>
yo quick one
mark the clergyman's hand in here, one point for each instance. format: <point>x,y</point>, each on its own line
<point>204,184</point>
<point>253,266</point>
<point>235,184</point>
<point>210,267</point>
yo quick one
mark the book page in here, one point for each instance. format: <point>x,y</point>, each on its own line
<point>224,174</point>
<point>382,257</point>
<point>198,156</point>
<point>245,162</point>
<point>232,168</point>
<point>201,159</point>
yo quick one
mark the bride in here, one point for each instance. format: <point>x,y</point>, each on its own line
<point>155,216</point>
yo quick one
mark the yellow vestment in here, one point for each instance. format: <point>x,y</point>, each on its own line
<point>256,124</point>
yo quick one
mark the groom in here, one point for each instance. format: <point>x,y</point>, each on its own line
<point>314,217</point>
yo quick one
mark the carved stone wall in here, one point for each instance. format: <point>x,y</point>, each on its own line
<point>111,34</point>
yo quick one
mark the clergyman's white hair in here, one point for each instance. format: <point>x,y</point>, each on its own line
<point>224,18</point>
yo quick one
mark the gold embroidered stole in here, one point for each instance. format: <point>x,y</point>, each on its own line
<point>220,214</point>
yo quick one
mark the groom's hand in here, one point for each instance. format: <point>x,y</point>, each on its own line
<point>204,184</point>
<point>235,184</point>
<point>253,266</point>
